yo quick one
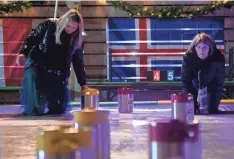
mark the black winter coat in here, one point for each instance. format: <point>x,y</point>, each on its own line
<point>213,69</point>
<point>43,37</point>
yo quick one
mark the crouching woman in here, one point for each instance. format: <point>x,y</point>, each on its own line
<point>203,68</point>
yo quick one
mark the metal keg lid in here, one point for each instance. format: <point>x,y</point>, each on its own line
<point>181,97</point>
<point>173,131</point>
<point>62,139</point>
<point>90,116</point>
<point>124,90</point>
<point>89,92</point>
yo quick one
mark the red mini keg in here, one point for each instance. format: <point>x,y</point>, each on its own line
<point>174,139</point>
<point>125,100</point>
<point>182,107</point>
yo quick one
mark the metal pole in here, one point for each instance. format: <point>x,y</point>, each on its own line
<point>230,76</point>
<point>78,6</point>
<point>56,9</point>
<point>110,65</point>
<point>109,72</point>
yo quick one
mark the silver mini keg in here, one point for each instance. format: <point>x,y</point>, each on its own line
<point>125,100</point>
<point>174,139</point>
<point>182,107</point>
<point>98,122</point>
<point>89,98</point>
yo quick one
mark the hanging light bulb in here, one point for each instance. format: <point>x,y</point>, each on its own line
<point>225,1</point>
<point>102,1</point>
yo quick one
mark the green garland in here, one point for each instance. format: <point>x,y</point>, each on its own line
<point>170,11</point>
<point>136,10</point>
<point>17,6</point>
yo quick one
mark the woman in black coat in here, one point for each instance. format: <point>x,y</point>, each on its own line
<point>50,49</point>
<point>204,57</point>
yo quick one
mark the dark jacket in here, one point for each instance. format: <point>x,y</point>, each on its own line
<point>43,37</point>
<point>213,70</point>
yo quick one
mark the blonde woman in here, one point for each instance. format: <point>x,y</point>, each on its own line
<point>203,68</point>
<point>49,50</point>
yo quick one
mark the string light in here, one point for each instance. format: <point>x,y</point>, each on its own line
<point>16,6</point>
<point>170,11</point>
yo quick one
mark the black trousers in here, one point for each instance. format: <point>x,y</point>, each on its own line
<point>54,88</point>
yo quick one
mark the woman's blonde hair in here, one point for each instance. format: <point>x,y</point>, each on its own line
<point>77,37</point>
<point>203,38</point>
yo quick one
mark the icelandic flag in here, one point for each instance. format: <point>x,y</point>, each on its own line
<point>138,45</point>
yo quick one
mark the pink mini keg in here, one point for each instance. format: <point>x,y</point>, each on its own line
<point>125,100</point>
<point>182,107</point>
<point>174,140</point>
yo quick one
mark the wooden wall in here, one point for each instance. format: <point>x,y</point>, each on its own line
<point>95,17</point>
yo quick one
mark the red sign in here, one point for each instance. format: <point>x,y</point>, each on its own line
<point>156,75</point>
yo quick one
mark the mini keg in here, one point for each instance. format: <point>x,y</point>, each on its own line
<point>89,98</point>
<point>182,107</point>
<point>61,143</point>
<point>98,122</point>
<point>125,100</point>
<point>174,139</point>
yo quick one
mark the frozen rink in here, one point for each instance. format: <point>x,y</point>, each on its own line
<point>128,132</point>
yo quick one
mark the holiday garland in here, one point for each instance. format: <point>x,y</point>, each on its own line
<point>170,11</point>
<point>136,10</point>
<point>17,6</point>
